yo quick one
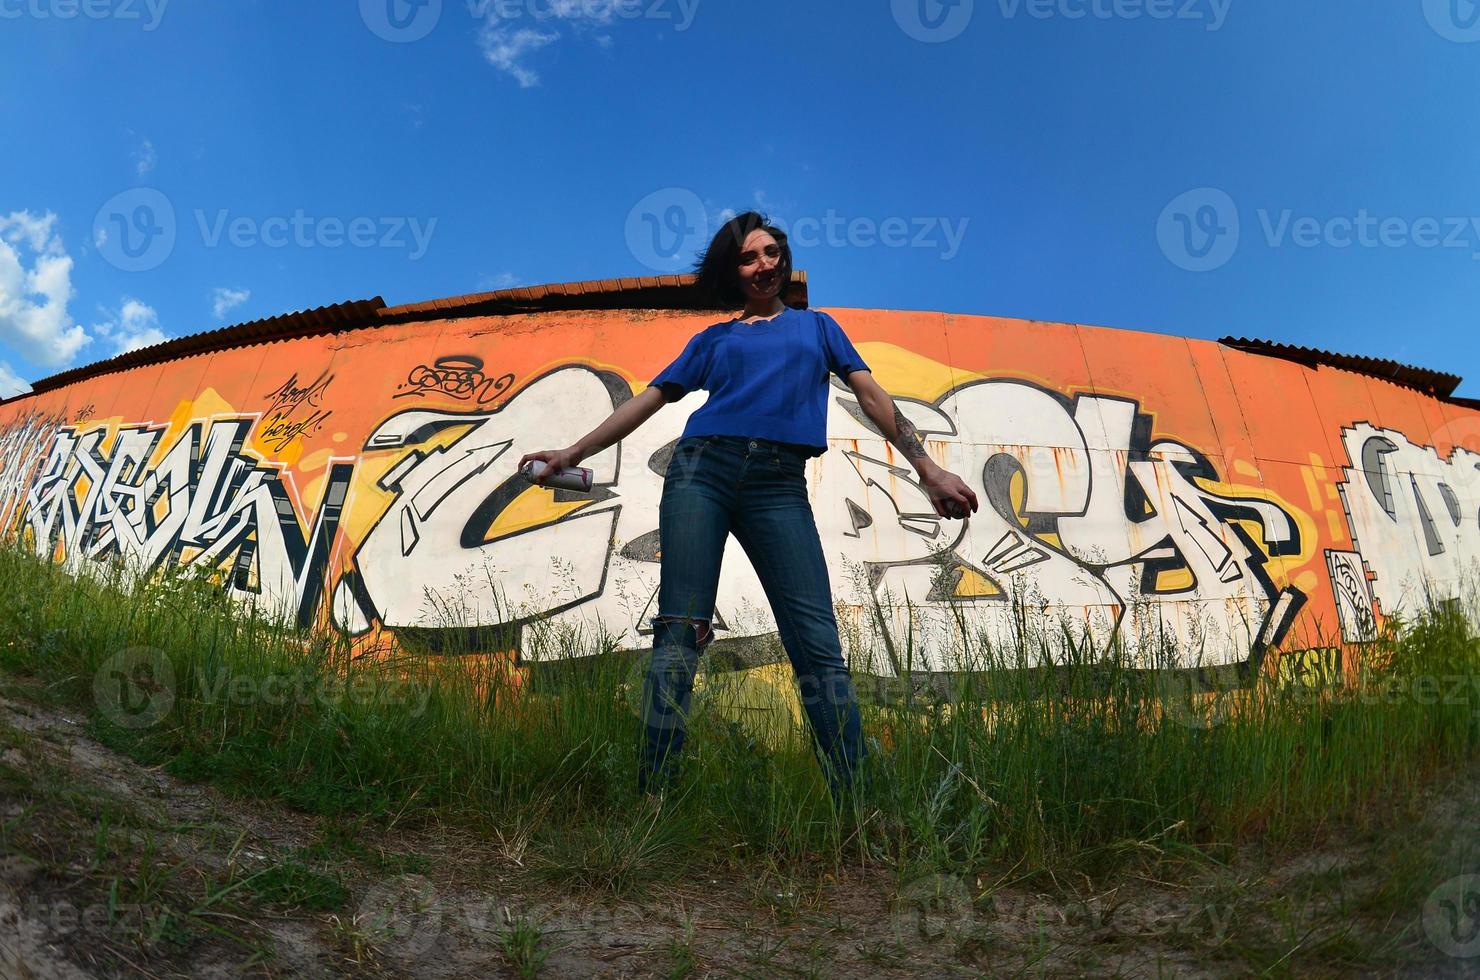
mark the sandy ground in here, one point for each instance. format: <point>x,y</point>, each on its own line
<point>453,915</point>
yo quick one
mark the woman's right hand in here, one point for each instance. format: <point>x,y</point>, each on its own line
<point>555,459</point>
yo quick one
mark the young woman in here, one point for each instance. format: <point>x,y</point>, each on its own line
<point>740,468</point>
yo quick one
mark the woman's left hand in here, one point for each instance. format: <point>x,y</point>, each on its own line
<point>949,494</point>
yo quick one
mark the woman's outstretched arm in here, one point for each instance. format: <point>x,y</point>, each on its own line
<point>948,493</point>
<point>617,426</point>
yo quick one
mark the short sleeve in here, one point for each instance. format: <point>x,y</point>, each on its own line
<point>842,357</point>
<point>689,371</point>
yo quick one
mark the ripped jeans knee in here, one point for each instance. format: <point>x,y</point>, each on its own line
<point>682,631</point>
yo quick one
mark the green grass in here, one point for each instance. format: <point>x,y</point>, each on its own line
<point>1082,765</point>
<point>103,863</point>
<point>524,944</point>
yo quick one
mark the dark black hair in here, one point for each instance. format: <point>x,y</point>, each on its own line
<point>719,264</point>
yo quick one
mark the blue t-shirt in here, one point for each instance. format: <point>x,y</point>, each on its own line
<point>766,379</point>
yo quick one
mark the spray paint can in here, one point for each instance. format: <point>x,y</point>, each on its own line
<point>570,478</point>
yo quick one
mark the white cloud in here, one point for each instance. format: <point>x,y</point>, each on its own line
<point>504,48</point>
<point>145,159</point>
<point>718,214</point>
<point>226,300</point>
<point>504,280</point>
<point>10,382</point>
<point>764,203</point>
<point>33,301</point>
<point>505,41</point>
<point>132,326</point>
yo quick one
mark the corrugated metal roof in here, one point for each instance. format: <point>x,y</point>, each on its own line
<point>673,292</point>
<point>1437,383</point>
<point>303,323</point>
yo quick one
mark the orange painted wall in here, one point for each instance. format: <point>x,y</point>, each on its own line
<point>1145,485</point>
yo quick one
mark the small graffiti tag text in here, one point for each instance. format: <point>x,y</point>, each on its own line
<point>294,410</point>
<point>457,376</point>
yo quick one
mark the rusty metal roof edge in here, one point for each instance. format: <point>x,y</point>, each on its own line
<point>1439,384</point>
<point>674,291</point>
<point>285,326</point>
<point>361,314</point>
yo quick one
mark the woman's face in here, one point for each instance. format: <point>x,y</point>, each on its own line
<point>760,259</point>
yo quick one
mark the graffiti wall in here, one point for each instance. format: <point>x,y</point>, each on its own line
<point>1176,500</point>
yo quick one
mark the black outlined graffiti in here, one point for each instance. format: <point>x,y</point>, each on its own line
<point>294,410</point>
<point>1090,517</point>
<point>1353,595</point>
<point>1089,520</point>
<point>1414,518</point>
<point>1102,530</point>
<point>207,503</point>
<point>433,566</point>
<point>24,443</point>
<point>457,376</point>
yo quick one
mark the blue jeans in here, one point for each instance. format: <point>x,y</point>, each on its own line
<point>755,489</point>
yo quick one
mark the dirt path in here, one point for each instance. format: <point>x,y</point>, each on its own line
<point>110,868</point>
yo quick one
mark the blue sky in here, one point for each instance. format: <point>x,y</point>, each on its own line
<point>1282,169</point>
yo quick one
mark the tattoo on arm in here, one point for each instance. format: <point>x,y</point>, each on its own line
<point>907,437</point>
